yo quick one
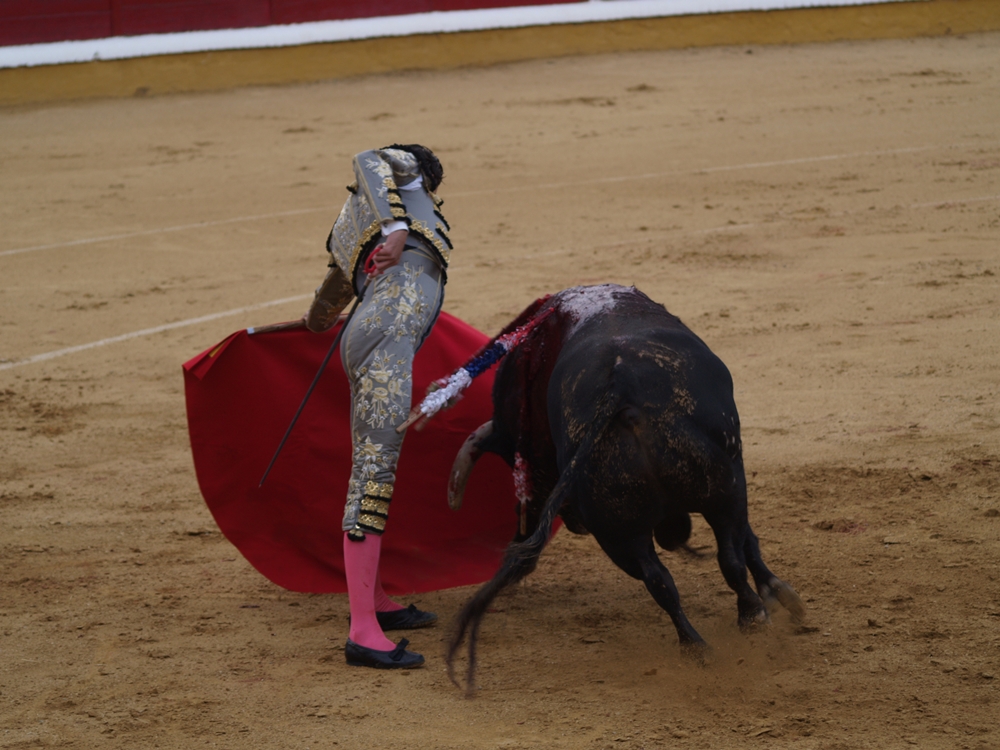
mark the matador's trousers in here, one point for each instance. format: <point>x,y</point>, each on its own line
<point>392,321</point>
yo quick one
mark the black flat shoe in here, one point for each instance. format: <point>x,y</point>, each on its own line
<point>397,658</point>
<point>405,619</point>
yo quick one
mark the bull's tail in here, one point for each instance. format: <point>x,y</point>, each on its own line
<point>522,557</point>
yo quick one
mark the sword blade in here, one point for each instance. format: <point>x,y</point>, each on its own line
<point>312,386</point>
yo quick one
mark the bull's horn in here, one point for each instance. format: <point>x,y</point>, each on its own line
<point>467,456</point>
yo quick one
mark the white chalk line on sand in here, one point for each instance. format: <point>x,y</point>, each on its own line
<point>298,298</point>
<point>493,191</point>
<point>215,316</point>
<point>743,227</point>
<point>273,303</point>
<point>150,331</point>
<point>704,170</point>
<point>164,230</point>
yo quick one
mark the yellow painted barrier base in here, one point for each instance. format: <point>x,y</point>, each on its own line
<point>206,71</point>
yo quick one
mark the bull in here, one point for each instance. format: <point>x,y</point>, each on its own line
<point>617,418</point>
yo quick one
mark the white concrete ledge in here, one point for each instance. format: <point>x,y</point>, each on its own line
<point>123,47</point>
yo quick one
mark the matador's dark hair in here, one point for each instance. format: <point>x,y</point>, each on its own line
<point>429,164</point>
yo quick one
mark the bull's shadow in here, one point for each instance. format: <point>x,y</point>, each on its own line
<point>616,417</point>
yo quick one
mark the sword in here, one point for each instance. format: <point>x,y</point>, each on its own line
<point>369,269</point>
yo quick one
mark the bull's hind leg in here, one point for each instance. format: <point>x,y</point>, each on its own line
<point>731,539</point>
<point>769,586</point>
<point>638,558</point>
<point>620,507</point>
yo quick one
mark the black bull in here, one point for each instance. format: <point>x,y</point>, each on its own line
<point>620,420</point>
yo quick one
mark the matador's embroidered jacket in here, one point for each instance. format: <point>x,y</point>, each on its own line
<point>375,198</point>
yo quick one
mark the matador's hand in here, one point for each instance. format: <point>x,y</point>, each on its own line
<point>389,252</point>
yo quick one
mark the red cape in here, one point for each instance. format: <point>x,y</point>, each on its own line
<point>241,396</point>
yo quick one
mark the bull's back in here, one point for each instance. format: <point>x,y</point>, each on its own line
<point>639,349</point>
<point>672,396</point>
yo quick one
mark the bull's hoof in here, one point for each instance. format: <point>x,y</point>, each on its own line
<point>754,621</point>
<point>791,601</point>
<point>778,590</point>
<point>697,652</point>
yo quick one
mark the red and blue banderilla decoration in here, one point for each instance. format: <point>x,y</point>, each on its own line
<point>446,390</point>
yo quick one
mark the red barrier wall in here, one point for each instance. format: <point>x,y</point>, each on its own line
<point>27,21</point>
<point>33,21</point>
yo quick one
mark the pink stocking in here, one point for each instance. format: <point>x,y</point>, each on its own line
<point>361,569</point>
<point>382,602</point>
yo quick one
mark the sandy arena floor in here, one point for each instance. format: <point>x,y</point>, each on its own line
<point>827,218</point>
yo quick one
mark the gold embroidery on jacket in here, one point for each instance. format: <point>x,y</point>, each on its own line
<point>422,230</point>
<point>444,233</point>
<point>355,228</point>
